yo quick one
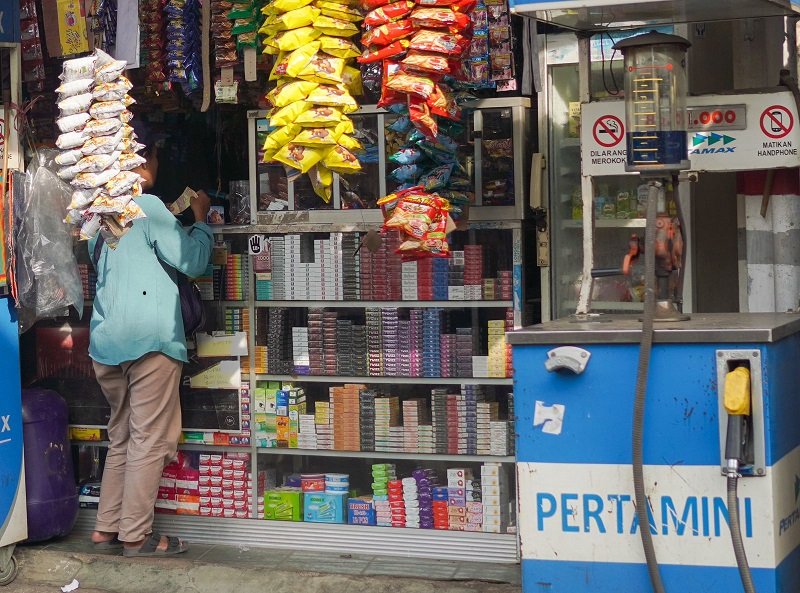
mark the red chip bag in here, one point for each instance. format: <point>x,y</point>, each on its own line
<point>436,2</point>
<point>386,34</point>
<point>439,42</point>
<point>375,55</point>
<point>368,5</point>
<point>390,96</point>
<point>411,83</point>
<point>388,13</point>
<point>420,115</point>
<point>464,6</point>
<point>427,62</point>
<point>442,103</point>
<point>440,18</point>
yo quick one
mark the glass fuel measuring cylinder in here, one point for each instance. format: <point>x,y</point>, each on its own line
<point>655,102</point>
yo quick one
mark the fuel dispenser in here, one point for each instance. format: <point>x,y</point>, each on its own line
<point>662,453</point>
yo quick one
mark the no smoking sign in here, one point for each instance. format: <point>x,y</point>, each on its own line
<point>608,131</point>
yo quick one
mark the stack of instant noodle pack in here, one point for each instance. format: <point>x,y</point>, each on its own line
<point>98,148</point>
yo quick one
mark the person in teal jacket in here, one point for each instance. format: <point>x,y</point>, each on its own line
<point>138,348</point>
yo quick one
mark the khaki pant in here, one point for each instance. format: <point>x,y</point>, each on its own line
<point>143,431</point>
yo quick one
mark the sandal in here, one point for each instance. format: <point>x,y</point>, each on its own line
<point>112,544</point>
<point>150,547</point>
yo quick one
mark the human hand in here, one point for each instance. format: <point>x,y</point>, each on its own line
<point>200,206</point>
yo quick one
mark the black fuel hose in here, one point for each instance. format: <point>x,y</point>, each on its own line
<point>645,350</point>
<point>736,534</point>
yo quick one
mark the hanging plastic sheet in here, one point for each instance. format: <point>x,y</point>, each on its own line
<point>46,272</point>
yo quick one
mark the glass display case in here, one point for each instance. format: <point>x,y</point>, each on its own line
<point>492,158</point>
<point>617,211</point>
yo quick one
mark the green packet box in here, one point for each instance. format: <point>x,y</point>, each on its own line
<point>283,504</point>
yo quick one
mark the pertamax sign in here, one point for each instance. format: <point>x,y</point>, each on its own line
<point>726,133</point>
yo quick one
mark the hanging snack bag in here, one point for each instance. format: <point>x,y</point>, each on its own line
<point>335,27</point>
<point>299,157</point>
<point>122,183</point>
<point>93,180</point>
<point>112,91</point>
<point>439,42</point>
<point>341,160</point>
<point>316,137</point>
<point>72,123</point>
<point>426,62</point>
<point>78,69</point>
<point>319,116</point>
<point>110,71</point>
<point>338,11</point>
<point>299,59</point>
<point>103,144</point>
<point>384,53</point>
<point>102,127</point>
<point>82,198</point>
<point>321,180</point>
<point>295,38</point>
<point>411,84</point>
<point>339,47</point>
<point>386,34</point>
<point>333,96</point>
<point>323,69</point>
<point>289,92</point>
<point>107,109</point>
<point>75,104</point>
<point>286,115</point>
<point>69,157</point>
<point>388,13</point>
<point>71,140</point>
<point>98,162</point>
<point>129,161</point>
<point>437,178</point>
<point>279,138</point>
<point>440,18</point>
<point>75,87</point>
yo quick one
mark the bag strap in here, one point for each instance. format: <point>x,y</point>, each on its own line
<point>98,248</point>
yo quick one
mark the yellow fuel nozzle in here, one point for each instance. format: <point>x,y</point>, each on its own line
<point>737,392</point>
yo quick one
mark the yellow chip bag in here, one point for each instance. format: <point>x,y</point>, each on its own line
<point>339,47</point>
<point>286,115</point>
<point>333,96</point>
<point>300,17</point>
<point>341,160</point>
<point>324,69</point>
<point>317,137</point>
<point>319,116</point>
<point>279,68</point>
<point>321,180</point>
<point>295,38</point>
<point>340,5</point>
<point>289,92</point>
<point>300,58</point>
<point>346,15</point>
<point>346,126</point>
<point>335,27</point>
<point>301,157</point>
<point>351,77</point>
<point>281,137</point>
<point>270,48</point>
<point>349,142</point>
<point>281,6</point>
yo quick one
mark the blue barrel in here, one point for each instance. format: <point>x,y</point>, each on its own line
<point>49,476</point>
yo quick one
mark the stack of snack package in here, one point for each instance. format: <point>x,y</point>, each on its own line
<point>418,47</point>
<point>245,17</point>
<point>183,43</point>
<point>153,23</point>
<point>98,147</point>
<point>222,32</point>
<point>310,131</point>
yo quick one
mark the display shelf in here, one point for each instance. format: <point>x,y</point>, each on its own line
<point>334,539</point>
<point>384,304</point>
<point>388,455</point>
<point>608,223</point>
<point>183,446</point>
<point>387,380</point>
<point>609,305</point>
